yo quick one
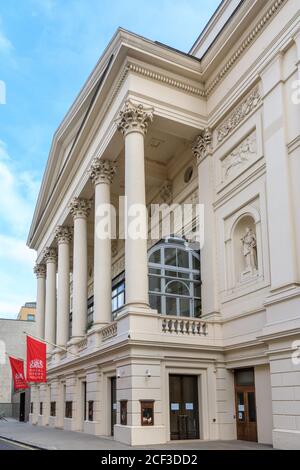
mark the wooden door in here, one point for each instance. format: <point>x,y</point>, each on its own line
<point>246,411</point>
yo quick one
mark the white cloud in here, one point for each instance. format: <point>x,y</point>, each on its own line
<point>15,249</point>
<point>17,195</point>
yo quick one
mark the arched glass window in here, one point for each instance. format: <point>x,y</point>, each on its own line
<point>174,278</point>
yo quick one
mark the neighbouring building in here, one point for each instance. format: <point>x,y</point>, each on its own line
<point>13,342</point>
<point>164,341</point>
<point>27,311</point>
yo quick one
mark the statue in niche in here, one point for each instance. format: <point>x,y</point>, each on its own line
<point>249,250</point>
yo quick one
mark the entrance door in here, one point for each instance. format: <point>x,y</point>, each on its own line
<point>184,407</point>
<point>22,407</point>
<point>113,401</point>
<point>245,405</point>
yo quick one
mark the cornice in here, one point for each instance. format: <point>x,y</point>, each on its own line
<point>260,25</point>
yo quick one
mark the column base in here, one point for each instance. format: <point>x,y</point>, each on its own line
<point>75,340</point>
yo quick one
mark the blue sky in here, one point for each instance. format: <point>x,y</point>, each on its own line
<point>47,50</point>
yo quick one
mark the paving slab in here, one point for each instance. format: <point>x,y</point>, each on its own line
<point>58,439</point>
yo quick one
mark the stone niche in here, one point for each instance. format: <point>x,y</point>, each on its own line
<point>245,249</point>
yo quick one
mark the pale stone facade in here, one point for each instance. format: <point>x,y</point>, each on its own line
<point>219,126</point>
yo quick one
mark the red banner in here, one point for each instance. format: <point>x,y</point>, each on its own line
<point>36,361</point>
<point>17,369</point>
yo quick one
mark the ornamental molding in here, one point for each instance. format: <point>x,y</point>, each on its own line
<point>239,114</point>
<point>134,118</point>
<point>63,234</point>
<point>79,207</point>
<point>40,270</point>
<point>260,25</point>
<point>50,255</point>
<point>160,77</point>
<point>202,146</point>
<point>102,171</point>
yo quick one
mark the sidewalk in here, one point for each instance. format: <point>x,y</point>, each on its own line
<point>57,439</point>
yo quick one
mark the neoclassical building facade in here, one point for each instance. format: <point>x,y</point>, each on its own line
<point>152,340</point>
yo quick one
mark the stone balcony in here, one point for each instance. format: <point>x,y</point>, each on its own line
<point>137,325</point>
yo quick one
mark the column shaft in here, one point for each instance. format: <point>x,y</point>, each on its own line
<point>50,309</point>
<point>40,271</point>
<point>63,237</point>
<point>136,260</point>
<point>79,210</point>
<point>133,122</point>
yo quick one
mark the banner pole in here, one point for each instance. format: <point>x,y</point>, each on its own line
<point>51,344</point>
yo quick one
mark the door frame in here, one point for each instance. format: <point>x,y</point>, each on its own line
<point>180,378</point>
<point>202,396</point>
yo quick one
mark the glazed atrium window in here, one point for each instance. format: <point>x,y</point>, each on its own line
<point>174,279</point>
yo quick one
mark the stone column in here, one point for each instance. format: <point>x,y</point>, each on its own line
<point>202,150</point>
<point>63,236</point>
<point>101,174</point>
<point>40,272</point>
<point>50,258</point>
<point>79,209</point>
<point>133,122</point>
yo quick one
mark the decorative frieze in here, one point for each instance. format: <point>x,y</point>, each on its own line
<point>63,234</point>
<point>39,270</point>
<point>102,171</point>
<point>79,207</point>
<point>240,156</point>
<point>239,114</point>
<point>202,146</point>
<point>134,118</point>
<point>50,255</point>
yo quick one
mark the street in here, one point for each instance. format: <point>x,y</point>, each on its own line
<point>7,445</point>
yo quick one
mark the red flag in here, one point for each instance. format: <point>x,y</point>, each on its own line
<point>36,360</point>
<point>17,369</point>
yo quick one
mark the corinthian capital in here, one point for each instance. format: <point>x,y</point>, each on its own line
<point>63,234</point>
<point>50,255</point>
<point>79,207</point>
<point>102,171</point>
<point>202,146</point>
<point>134,118</point>
<point>40,270</point>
